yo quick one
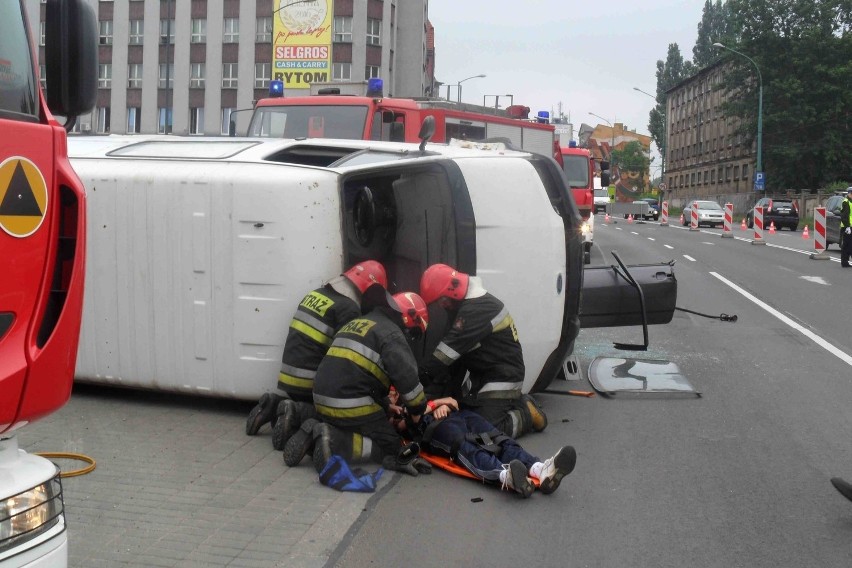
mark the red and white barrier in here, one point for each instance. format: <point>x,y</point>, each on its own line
<point>727,231</point>
<point>693,218</point>
<point>819,234</point>
<point>664,222</point>
<point>758,227</point>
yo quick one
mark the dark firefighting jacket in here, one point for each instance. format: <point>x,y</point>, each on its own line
<point>319,316</point>
<point>482,339</point>
<point>368,356</point>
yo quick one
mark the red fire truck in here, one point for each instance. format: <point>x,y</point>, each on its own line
<point>42,256</point>
<point>579,167</point>
<point>333,114</point>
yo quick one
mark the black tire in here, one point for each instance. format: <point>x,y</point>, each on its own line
<point>749,223</point>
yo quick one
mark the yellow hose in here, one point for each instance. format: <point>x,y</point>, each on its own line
<point>79,457</point>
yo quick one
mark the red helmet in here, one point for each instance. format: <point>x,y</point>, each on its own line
<point>365,274</point>
<point>413,308</point>
<point>440,281</point>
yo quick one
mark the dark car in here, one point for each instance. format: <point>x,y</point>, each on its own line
<point>654,204</point>
<point>784,212</point>
<point>832,220</point>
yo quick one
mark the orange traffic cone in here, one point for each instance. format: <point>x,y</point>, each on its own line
<point>772,228</point>
<point>681,218</point>
<point>805,234</point>
<point>630,218</point>
<point>743,225</point>
<point>606,217</point>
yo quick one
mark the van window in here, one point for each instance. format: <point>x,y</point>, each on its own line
<point>18,85</point>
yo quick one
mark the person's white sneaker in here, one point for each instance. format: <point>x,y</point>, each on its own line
<point>557,467</point>
<point>514,477</point>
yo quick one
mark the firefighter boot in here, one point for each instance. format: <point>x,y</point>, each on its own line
<point>328,441</point>
<point>300,443</point>
<point>262,413</point>
<point>288,421</point>
<point>407,460</point>
<point>514,478</point>
<point>538,418</point>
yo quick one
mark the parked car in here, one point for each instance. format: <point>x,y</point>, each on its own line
<point>784,212</point>
<point>654,204</point>
<point>709,213</point>
<point>832,220</point>
<point>601,198</point>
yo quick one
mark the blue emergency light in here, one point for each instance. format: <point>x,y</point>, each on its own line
<point>276,88</point>
<point>572,143</point>
<point>375,87</point>
<point>543,117</point>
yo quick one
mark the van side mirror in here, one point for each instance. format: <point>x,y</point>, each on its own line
<point>71,58</point>
<point>427,129</point>
<point>605,177</point>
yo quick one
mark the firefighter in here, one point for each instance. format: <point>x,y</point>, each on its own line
<point>482,340</point>
<point>846,229</point>
<point>320,314</point>
<point>369,355</point>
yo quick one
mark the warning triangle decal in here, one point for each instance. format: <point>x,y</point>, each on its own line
<point>19,199</point>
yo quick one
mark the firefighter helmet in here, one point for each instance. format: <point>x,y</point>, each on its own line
<point>413,308</point>
<point>365,274</point>
<point>440,281</point>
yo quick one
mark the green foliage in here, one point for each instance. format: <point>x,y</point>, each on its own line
<point>712,28</point>
<point>669,73</point>
<point>631,158</point>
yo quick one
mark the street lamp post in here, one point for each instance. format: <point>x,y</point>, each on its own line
<point>665,137</point>
<point>759,161</point>
<point>459,89</point>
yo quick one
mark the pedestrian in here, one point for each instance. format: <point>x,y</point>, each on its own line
<point>844,487</point>
<point>846,229</point>
<point>488,454</point>
<point>482,340</point>
<point>320,314</point>
<point>369,355</point>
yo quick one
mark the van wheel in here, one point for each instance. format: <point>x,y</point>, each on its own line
<point>364,216</point>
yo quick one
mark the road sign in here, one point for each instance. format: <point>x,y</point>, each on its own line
<point>23,197</point>
<point>759,181</point>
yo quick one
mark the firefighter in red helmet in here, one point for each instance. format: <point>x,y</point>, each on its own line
<point>483,340</point>
<point>320,314</point>
<point>369,356</point>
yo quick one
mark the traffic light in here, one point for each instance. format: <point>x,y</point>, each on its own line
<point>604,173</point>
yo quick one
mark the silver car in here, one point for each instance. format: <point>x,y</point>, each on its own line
<point>709,213</point>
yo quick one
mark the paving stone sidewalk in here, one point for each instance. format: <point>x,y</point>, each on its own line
<point>178,483</point>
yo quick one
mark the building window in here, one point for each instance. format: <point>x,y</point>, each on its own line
<point>167,76</point>
<point>706,177</point>
<point>134,76</point>
<point>728,173</point>
<point>167,31</point>
<point>136,31</point>
<point>692,178</point>
<point>262,72</point>
<point>231,30</point>
<point>198,33</point>
<point>230,71</point>
<point>105,32</point>
<point>196,120</point>
<point>164,120</point>
<point>374,32</point>
<point>712,176</point>
<point>745,172</point>
<point>226,120</point>
<point>104,75</point>
<point>103,120</point>
<point>371,71</point>
<point>41,33</point>
<point>341,71</point>
<point>196,75</point>
<point>263,33</point>
<point>736,172</point>
<point>42,76</point>
<point>134,120</point>
<point>342,29</point>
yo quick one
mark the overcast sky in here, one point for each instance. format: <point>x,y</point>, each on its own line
<point>586,55</point>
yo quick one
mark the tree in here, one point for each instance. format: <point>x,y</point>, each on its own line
<point>669,73</point>
<point>712,28</point>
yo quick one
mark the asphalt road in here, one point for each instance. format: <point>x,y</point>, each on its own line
<point>736,477</point>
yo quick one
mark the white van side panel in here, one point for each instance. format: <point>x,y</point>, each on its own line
<point>520,251</point>
<point>195,270</point>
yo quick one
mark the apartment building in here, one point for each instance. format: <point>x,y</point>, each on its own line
<point>184,66</point>
<point>705,157</point>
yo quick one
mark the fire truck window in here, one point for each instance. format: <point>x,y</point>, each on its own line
<point>17,82</point>
<point>376,129</point>
<point>310,121</point>
<point>470,132</point>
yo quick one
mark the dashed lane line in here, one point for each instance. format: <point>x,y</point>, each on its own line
<point>687,257</point>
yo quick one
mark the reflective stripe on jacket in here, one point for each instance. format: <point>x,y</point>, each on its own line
<point>320,314</point>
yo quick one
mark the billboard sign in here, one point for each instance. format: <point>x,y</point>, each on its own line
<point>301,48</point>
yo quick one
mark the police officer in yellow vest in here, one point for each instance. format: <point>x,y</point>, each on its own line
<point>846,229</point>
<point>320,314</point>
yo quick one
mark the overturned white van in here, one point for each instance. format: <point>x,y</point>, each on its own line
<point>201,248</point>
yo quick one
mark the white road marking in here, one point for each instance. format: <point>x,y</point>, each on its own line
<point>618,229</point>
<point>669,246</point>
<point>708,243</point>
<point>633,233</point>
<point>651,239</point>
<point>687,257</point>
<point>842,355</point>
<point>815,280</point>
